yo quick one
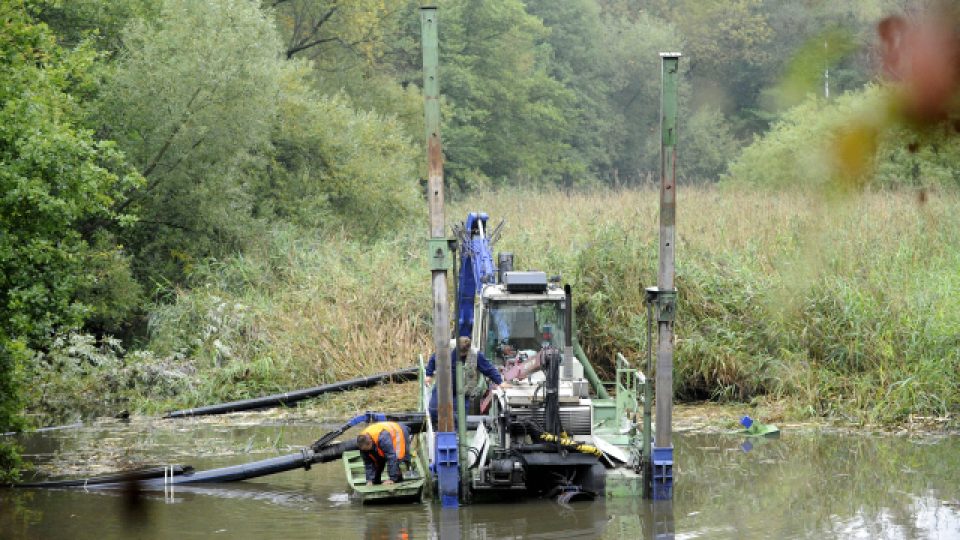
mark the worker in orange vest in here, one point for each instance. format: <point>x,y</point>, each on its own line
<point>384,445</point>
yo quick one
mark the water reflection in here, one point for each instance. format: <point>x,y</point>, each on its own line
<point>384,526</point>
<point>449,524</point>
<point>835,485</point>
<point>811,485</point>
<point>639,519</point>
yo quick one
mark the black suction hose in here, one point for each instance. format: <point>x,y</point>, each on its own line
<point>235,473</point>
<point>138,475</point>
<point>300,460</point>
<point>288,398</point>
<point>159,477</point>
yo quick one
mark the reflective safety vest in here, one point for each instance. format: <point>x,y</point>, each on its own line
<point>396,436</point>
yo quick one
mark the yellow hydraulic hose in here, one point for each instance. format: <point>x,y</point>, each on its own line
<point>571,444</point>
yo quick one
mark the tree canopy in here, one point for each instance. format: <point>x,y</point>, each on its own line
<point>57,180</point>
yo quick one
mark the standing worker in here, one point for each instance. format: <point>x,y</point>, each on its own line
<point>461,353</point>
<point>384,445</point>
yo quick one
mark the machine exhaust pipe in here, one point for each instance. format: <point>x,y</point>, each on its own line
<point>504,264</point>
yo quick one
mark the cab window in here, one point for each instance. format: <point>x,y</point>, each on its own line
<point>524,326</point>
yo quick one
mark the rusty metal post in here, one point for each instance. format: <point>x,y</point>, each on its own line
<point>446,459</point>
<point>438,242</point>
<point>666,293</point>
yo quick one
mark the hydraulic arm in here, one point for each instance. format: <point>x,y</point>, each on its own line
<point>476,266</point>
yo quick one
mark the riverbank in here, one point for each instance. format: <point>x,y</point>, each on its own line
<point>808,306</point>
<point>106,445</point>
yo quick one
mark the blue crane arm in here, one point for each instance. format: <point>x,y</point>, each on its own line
<point>476,268</point>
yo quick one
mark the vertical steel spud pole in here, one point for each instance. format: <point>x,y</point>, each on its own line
<point>666,292</point>
<point>447,471</point>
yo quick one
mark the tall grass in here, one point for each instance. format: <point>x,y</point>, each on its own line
<point>835,307</point>
<point>296,312</point>
<point>842,307</point>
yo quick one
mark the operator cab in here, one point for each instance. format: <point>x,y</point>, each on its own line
<point>521,316</point>
<point>523,325</point>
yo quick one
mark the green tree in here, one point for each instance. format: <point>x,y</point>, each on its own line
<point>316,28</point>
<point>335,167</point>
<point>95,22</point>
<point>57,182</point>
<point>720,35</point>
<point>813,40</point>
<point>727,52</point>
<point>742,53</point>
<point>506,118</point>
<point>634,93</point>
<point>708,146</point>
<point>580,59</point>
<point>359,48</point>
<point>192,99</point>
<point>849,142</point>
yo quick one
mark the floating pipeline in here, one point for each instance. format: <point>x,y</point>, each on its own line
<point>44,429</point>
<point>322,451</point>
<point>160,477</point>
<point>96,481</point>
<point>300,460</point>
<point>288,398</point>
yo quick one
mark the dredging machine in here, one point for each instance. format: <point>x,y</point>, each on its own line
<point>553,429</point>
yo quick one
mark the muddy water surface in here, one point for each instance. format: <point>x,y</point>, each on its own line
<point>807,484</point>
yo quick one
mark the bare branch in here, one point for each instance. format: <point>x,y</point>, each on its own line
<point>151,185</point>
<point>166,144</point>
<point>305,46</point>
<point>309,39</point>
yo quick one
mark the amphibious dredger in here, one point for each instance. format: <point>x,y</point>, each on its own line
<point>553,430</point>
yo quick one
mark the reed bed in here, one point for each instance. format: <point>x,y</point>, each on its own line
<point>838,307</point>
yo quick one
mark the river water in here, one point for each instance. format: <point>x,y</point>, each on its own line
<point>806,484</point>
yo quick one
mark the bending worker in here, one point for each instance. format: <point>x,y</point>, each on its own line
<point>461,353</point>
<point>384,445</point>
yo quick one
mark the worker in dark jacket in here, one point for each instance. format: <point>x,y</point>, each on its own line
<point>384,445</point>
<point>460,354</point>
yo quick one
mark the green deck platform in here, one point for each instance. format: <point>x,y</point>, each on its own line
<point>409,490</point>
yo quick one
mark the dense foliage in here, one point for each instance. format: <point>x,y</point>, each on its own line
<point>57,183</point>
<point>825,145</point>
<point>201,198</point>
